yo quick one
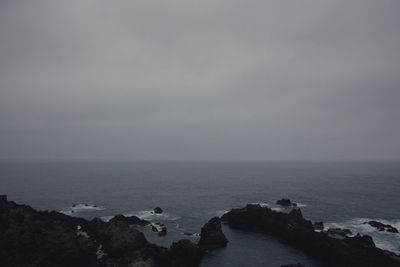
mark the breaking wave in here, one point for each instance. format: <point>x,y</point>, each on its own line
<point>382,239</point>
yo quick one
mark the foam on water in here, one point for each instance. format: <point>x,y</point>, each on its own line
<point>150,215</point>
<point>107,218</point>
<point>382,239</point>
<point>219,213</point>
<point>77,208</point>
<point>276,207</point>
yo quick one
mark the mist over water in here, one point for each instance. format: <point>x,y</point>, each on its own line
<point>190,193</point>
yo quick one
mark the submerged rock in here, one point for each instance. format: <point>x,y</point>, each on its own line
<point>211,235</point>
<point>293,229</point>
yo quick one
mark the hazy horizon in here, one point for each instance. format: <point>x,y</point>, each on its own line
<point>210,80</point>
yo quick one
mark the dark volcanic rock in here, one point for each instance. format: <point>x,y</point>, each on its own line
<point>318,226</point>
<point>286,202</point>
<point>339,231</point>
<point>30,238</point>
<point>160,228</point>
<point>131,220</point>
<point>211,235</point>
<point>383,227</point>
<point>158,210</point>
<point>293,229</point>
<point>185,253</point>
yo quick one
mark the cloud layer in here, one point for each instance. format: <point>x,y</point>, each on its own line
<point>216,80</point>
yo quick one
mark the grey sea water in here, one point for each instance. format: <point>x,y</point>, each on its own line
<point>343,194</point>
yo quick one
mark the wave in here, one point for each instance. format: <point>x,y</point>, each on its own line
<point>147,215</point>
<point>150,215</point>
<point>382,239</point>
<point>219,213</point>
<point>276,207</point>
<point>77,208</point>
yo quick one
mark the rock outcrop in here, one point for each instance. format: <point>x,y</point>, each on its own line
<point>318,226</point>
<point>339,232</point>
<point>286,202</point>
<point>292,229</point>
<point>30,238</point>
<point>130,220</point>
<point>382,227</point>
<point>158,210</point>
<point>211,235</point>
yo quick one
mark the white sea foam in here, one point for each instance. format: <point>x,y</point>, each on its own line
<point>77,208</point>
<point>278,207</point>
<point>219,213</point>
<point>150,215</point>
<point>192,235</point>
<point>382,239</point>
<point>107,218</point>
<point>262,204</point>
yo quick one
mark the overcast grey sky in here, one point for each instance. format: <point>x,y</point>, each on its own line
<point>216,80</point>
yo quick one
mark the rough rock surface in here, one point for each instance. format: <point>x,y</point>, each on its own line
<point>211,235</point>
<point>291,228</point>
<point>286,202</point>
<point>30,238</point>
<point>318,226</point>
<point>339,232</point>
<point>158,210</point>
<point>383,227</point>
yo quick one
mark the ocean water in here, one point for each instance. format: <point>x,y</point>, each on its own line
<point>341,194</point>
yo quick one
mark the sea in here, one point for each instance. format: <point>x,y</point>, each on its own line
<point>341,194</point>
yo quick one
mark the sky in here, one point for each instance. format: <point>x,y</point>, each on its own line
<point>200,80</point>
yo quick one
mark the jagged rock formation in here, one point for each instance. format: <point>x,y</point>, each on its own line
<point>286,202</point>
<point>158,210</point>
<point>51,239</point>
<point>211,235</point>
<point>291,228</point>
<point>383,227</point>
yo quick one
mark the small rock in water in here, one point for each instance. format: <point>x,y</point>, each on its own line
<point>158,210</point>
<point>286,202</point>
<point>382,227</point>
<point>163,231</point>
<point>188,234</point>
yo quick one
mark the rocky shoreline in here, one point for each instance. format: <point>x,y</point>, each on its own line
<point>30,238</point>
<point>332,247</point>
<point>51,239</point>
